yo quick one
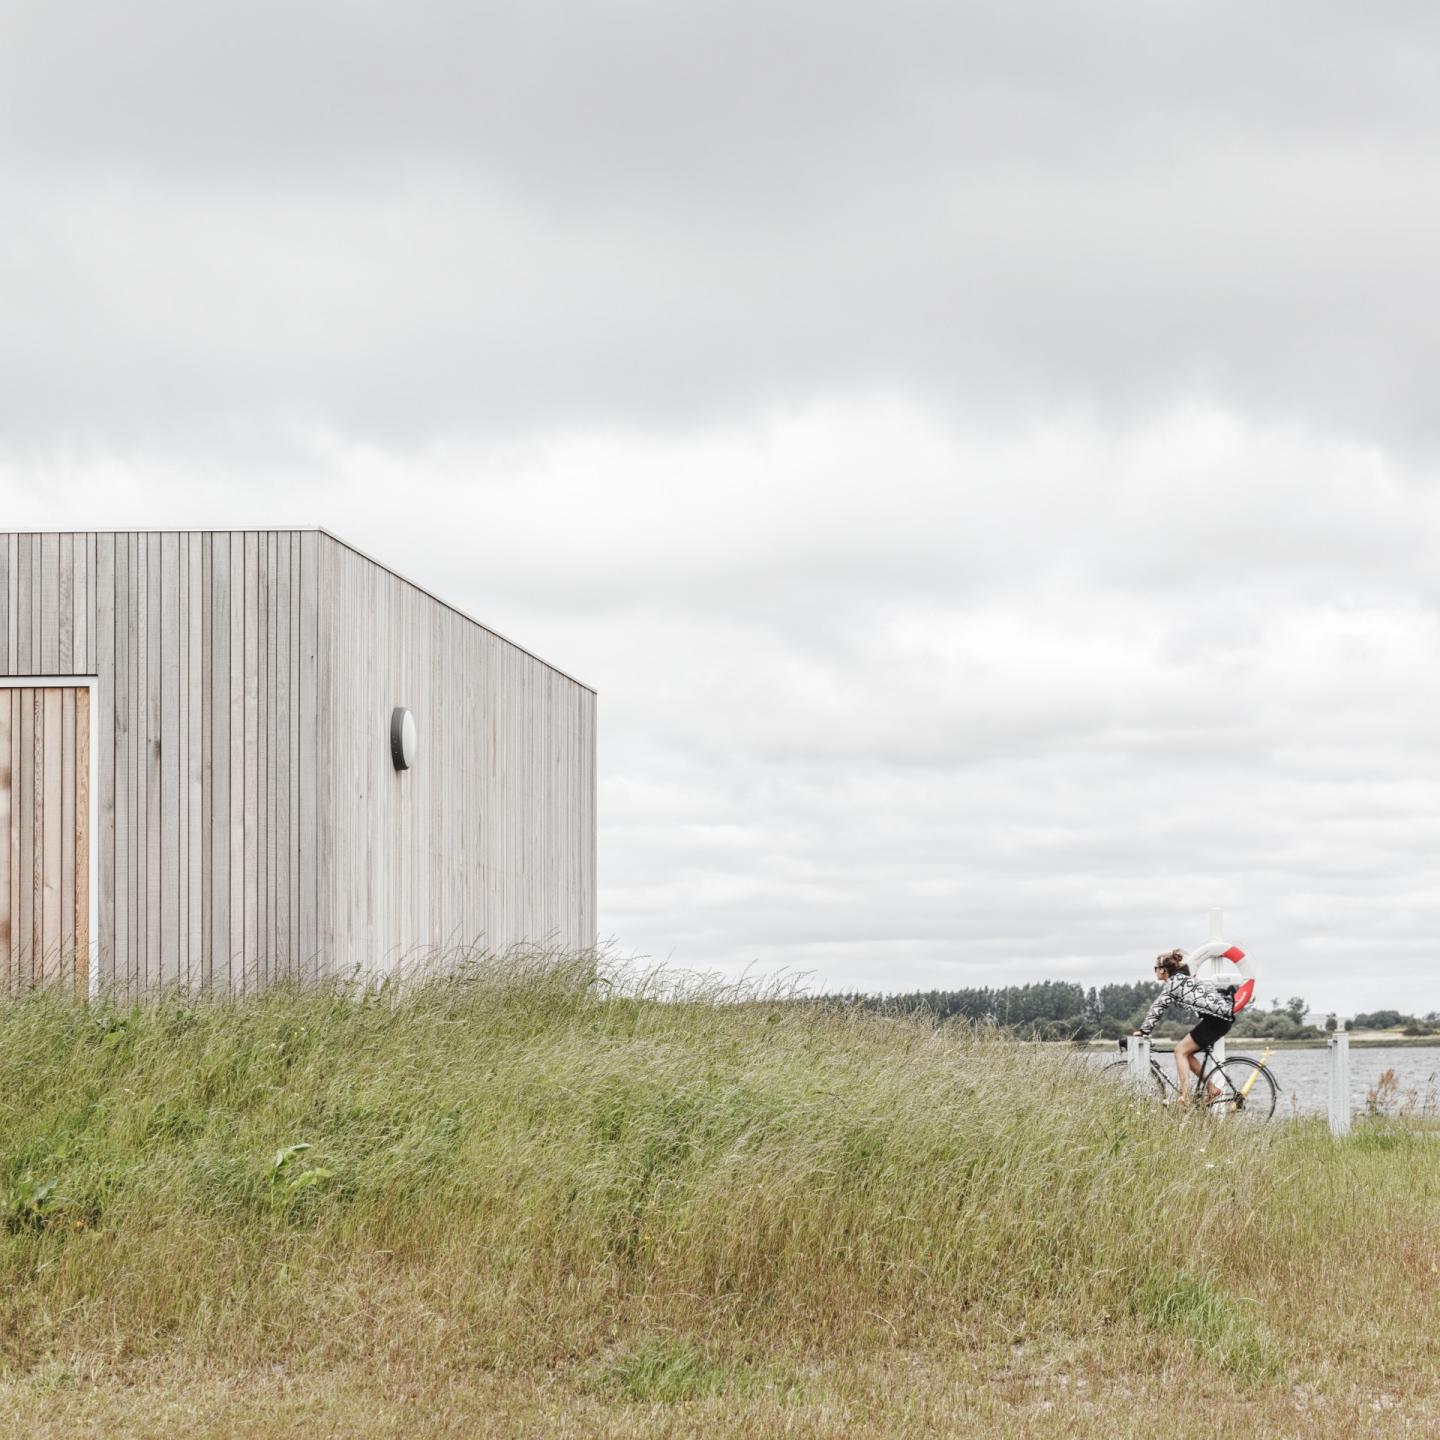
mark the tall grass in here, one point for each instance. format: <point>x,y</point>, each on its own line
<point>534,1161</point>
<point>535,1128</point>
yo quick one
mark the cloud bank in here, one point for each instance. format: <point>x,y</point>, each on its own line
<point>982,455</point>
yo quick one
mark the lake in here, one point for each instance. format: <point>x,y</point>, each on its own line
<point>1304,1075</point>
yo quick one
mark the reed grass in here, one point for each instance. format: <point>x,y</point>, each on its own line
<point>540,1191</point>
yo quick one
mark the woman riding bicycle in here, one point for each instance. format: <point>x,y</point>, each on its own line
<point>1215,1007</point>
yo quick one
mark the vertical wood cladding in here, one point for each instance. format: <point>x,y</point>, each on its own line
<point>490,837</point>
<point>44,836</point>
<point>250,826</point>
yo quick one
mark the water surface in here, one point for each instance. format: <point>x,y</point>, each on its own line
<point>1304,1075</point>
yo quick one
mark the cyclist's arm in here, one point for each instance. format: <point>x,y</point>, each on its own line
<point>1163,1001</point>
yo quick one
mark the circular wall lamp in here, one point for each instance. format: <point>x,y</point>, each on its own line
<point>402,738</point>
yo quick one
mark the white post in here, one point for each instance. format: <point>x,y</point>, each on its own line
<point>1138,1054</point>
<point>1339,1082</point>
<point>1217,931</point>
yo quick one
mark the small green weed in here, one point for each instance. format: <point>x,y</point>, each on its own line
<point>289,1180</point>
<point>1194,1307</point>
<point>668,1372</point>
<point>33,1203</point>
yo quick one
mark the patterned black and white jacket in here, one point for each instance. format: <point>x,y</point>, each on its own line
<point>1198,995</point>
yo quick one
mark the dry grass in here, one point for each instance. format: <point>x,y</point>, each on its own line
<point>536,1202</point>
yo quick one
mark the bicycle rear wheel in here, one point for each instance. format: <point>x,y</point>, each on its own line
<point>1250,1091</point>
<point>1119,1071</point>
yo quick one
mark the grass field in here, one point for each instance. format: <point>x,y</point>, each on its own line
<point>526,1201</point>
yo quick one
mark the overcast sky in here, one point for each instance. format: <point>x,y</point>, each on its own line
<point>983,454</point>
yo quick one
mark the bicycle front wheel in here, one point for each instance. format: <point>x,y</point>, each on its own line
<point>1249,1089</point>
<point>1118,1071</point>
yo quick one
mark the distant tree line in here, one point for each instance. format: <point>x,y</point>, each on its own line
<point>1428,1024</point>
<point>1061,1010</point>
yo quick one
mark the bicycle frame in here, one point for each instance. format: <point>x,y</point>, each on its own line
<point>1209,1067</point>
<point>1211,1071</point>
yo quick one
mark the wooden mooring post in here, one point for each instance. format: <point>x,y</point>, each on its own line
<point>1340,1083</point>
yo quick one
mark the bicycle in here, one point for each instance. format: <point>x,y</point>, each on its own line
<point>1247,1087</point>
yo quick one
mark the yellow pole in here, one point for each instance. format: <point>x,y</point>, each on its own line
<point>1255,1074</point>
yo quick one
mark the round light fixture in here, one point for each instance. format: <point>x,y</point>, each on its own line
<point>402,738</point>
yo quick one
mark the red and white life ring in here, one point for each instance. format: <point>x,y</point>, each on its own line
<point>1224,964</point>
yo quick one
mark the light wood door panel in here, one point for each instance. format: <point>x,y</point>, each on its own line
<point>45,836</point>
<point>8,708</point>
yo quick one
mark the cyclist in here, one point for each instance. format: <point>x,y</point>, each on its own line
<point>1214,1006</point>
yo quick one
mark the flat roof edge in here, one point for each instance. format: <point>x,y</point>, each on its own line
<point>464,615</point>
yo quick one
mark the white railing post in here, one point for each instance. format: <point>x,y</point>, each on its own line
<point>1217,930</point>
<point>1138,1054</point>
<point>1340,1083</point>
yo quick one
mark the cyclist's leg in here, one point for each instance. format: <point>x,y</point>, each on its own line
<point>1186,1064</point>
<point>1203,1038</point>
<point>1202,1066</point>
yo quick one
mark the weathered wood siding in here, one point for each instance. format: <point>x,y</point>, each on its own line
<point>198,643</point>
<point>489,838</point>
<point>250,825</point>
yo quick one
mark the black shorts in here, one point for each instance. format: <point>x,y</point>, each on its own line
<point>1210,1029</point>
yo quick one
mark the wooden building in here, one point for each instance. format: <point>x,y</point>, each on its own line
<point>199,783</point>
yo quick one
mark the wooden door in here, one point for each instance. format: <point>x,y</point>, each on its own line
<point>45,836</point>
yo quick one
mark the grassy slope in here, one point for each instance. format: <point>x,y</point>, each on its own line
<point>530,1205</point>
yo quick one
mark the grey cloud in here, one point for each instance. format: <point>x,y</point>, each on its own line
<point>983,455</point>
<point>593,97</point>
<point>479,220</point>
